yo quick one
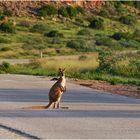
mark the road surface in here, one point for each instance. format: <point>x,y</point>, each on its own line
<point>92,114</point>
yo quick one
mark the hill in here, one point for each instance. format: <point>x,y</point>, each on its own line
<point>107,34</point>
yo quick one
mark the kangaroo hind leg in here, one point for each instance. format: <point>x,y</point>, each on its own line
<point>50,103</point>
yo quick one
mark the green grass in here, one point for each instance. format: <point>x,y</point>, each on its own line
<point>81,69</point>
<point>92,75</point>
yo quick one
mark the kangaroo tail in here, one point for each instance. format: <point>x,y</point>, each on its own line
<point>47,106</point>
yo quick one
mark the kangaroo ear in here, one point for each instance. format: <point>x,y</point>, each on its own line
<point>64,69</point>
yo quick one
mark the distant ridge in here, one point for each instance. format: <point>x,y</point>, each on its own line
<point>28,7</point>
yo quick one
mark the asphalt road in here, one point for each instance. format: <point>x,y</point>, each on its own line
<point>92,114</point>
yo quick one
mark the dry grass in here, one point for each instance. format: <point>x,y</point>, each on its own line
<point>7,54</point>
<point>71,64</point>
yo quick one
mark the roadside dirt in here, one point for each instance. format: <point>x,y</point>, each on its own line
<point>125,90</point>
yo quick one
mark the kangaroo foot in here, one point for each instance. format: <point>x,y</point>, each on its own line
<point>64,107</point>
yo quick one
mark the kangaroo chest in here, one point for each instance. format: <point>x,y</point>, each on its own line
<point>63,82</point>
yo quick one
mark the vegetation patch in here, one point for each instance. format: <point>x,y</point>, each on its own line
<point>47,10</point>
<point>7,27</point>
<point>97,23</point>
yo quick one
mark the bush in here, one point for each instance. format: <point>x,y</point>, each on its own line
<point>97,23</point>
<point>79,20</point>
<point>53,33</point>
<point>7,27</point>
<point>47,10</point>
<point>85,32</point>
<point>8,13</point>
<point>71,11</point>
<point>135,64</point>
<point>129,43</point>
<point>105,41</point>
<point>129,20</point>
<point>82,58</point>
<point>120,35</point>
<point>136,35</point>
<point>63,11</point>
<point>78,45</point>
<point>5,49</point>
<point>107,61</point>
<point>39,27</point>
<point>135,4</point>
<point>80,10</point>
<point>5,67</point>
<point>104,13</point>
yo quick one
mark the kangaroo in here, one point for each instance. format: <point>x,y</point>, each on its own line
<point>57,90</point>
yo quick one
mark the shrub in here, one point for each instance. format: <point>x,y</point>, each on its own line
<point>7,27</point>
<point>129,19</point>
<point>107,61</point>
<point>63,11</point>
<point>117,36</point>
<point>8,13</point>
<point>80,10</point>
<point>105,40</point>
<point>71,11</point>
<point>78,45</point>
<point>84,32</point>
<point>137,4</point>
<point>82,58</point>
<point>53,33</point>
<point>47,10</point>
<point>130,70</point>
<point>120,35</point>
<point>136,35</point>
<point>79,20</point>
<point>5,49</point>
<point>119,8</point>
<point>4,67</point>
<point>103,13</point>
<point>129,43</point>
<point>39,27</point>
<point>135,64</point>
<point>117,4</point>
<point>97,23</point>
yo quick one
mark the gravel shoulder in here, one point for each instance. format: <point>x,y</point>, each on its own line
<point>125,90</point>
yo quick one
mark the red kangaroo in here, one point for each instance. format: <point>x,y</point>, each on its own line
<point>57,90</point>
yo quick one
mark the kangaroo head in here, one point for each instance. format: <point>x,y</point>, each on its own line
<point>61,72</point>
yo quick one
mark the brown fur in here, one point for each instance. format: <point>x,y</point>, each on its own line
<point>56,91</point>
